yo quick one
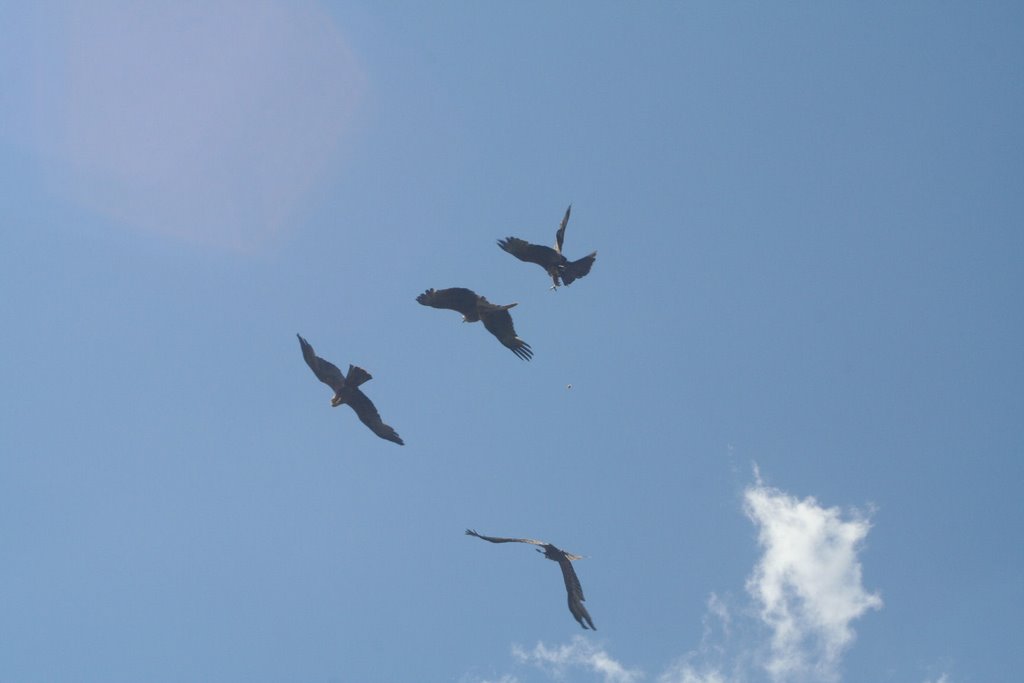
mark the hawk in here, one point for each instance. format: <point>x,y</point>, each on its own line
<point>346,390</point>
<point>564,560</point>
<point>551,260</point>
<point>473,307</point>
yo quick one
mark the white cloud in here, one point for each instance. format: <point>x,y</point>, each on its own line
<point>944,678</point>
<point>807,583</point>
<point>707,664</point>
<point>206,121</point>
<point>718,613</point>
<point>685,672</point>
<point>804,592</point>
<point>477,678</point>
<point>578,653</point>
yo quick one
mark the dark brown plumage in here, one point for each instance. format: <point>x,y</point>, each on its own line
<point>551,260</point>
<point>564,560</point>
<point>473,307</point>
<point>346,390</point>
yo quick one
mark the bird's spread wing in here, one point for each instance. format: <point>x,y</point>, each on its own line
<point>560,235</point>
<point>369,416</point>
<point>572,582</point>
<point>574,591</point>
<point>499,323</point>
<point>545,257</point>
<point>325,371</point>
<point>496,539</point>
<point>455,298</point>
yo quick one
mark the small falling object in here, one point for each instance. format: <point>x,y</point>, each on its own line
<point>568,386</point>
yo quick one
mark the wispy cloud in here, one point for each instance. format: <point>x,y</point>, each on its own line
<point>807,582</point>
<point>685,672</point>
<point>711,661</point>
<point>207,121</point>
<point>578,653</point>
<point>507,678</point>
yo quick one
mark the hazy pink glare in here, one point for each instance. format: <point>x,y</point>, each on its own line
<point>210,121</point>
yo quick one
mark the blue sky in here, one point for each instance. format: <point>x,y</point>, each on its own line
<point>792,446</point>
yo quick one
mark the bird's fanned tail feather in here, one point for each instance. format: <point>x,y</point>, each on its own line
<point>573,270</point>
<point>356,376</point>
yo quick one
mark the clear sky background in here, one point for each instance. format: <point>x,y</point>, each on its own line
<point>792,446</point>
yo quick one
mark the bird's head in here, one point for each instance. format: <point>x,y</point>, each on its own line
<point>552,553</point>
<point>548,551</point>
<point>336,401</point>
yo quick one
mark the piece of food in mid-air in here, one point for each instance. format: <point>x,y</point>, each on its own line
<point>473,307</point>
<point>564,560</point>
<point>346,390</point>
<point>551,260</point>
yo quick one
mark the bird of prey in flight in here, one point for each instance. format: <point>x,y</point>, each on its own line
<point>473,307</point>
<point>551,260</point>
<point>346,390</point>
<point>564,560</point>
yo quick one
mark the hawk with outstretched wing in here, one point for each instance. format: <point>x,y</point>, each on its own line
<point>557,266</point>
<point>564,560</point>
<point>346,390</point>
<point>473,308</point>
